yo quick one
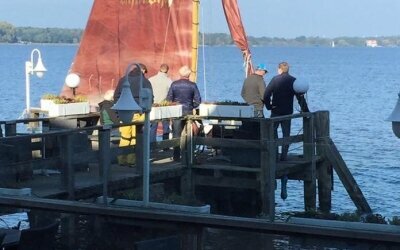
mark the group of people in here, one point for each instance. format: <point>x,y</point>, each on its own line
<point>182,91</point>
<point>277,97</point>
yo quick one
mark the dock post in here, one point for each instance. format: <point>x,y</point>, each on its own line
<point>325,171</point>
<point>139,149</point>
<point>10,128</point>
<point>104,159</point>
<point>268,166</point>
<point>187,185</point>
<point>310,188</point>
<point>67,168</point>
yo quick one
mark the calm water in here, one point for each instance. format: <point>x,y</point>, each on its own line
<point>358,86</point>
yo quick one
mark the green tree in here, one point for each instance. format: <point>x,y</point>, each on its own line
<point>7,33</point>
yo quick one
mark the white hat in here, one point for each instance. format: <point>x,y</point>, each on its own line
<point>185,71</point>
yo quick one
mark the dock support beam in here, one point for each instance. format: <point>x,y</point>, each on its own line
<point>67,168</point>
<point>310,189</point>
<point>325,171</point>
<point>104,158</point>
<point>268,167</point>
<point>187,151</point>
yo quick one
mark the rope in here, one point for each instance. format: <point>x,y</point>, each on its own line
<point>165,36</point>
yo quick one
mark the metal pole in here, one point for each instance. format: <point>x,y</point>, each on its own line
<point>146,158</point>
<point>28,69</point>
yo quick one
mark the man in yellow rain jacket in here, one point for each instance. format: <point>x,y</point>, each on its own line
<point>128,133</point>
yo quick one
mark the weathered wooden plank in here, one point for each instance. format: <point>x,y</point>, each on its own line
<point>289,140</point>
<point>104,160</point>
<point>227,168</point>
<point>324,168</point>
<point>268,168</point>
<point>173,142</point>
<point>345,176</point>
<point>239,143</point>
<point>10,128</point>
<point>187,148</point>
<point>211,220</point>
<point>310,188</point>
<point>67,169</point>
<point>225,182</point>
<point>227,143</point>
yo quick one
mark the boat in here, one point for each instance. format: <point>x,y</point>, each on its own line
<point>146,31</point>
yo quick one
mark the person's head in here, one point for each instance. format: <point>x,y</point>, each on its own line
<point>109,95</point>
<point>185,71</point>
<point>143,68</point>
<point>261,69</point>
<point>164,68</point>
<point>135,70</point>
<point>283,67</point>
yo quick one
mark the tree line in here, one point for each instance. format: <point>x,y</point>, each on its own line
<point>12,34</point>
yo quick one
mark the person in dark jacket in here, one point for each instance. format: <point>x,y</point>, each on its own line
<point>253,90</point>
<point>134,81</point>
<point>186,93</point>
<point>128,133</point>
<point>278,97</point>
<point>108,116</point>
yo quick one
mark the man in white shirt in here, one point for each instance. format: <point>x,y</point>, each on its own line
<point>160,84</point>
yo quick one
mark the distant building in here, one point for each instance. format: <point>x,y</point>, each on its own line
<point>371,43</point>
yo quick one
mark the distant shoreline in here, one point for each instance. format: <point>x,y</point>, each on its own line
<point>32,35</point>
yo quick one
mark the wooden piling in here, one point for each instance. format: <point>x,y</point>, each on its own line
<point>268,167</point>
<point>187,149</point>
<point>139,149</point>
<point>67,168</point>
<point>324,172</point>
<point>10,128</point>
<point>308,153</point>
<point>104,159</point>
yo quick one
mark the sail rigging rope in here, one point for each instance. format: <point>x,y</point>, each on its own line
<point>166,33</point>
<point>203,56</point>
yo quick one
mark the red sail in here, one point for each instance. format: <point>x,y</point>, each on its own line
<point>238,34</point>
<point>119,32</point>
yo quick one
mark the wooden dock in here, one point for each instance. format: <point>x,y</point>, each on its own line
<point>66,166</point>
<point>84,155</point>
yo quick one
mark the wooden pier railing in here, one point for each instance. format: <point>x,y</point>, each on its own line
<point>71,155</point>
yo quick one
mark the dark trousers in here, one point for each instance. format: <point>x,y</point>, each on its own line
<point>153,130</point>
<point>285,126</point>
<point>177,127</point>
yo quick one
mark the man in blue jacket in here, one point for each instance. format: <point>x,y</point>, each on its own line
<point>278,97</point>
<point>186,93</point>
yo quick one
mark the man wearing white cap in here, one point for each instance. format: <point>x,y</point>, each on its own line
<point>186,93</point>
<point>253,90</point>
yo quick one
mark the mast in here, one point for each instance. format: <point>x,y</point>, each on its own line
<point>195,38</point>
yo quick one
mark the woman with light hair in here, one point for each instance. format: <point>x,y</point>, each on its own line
<point>186,93</point>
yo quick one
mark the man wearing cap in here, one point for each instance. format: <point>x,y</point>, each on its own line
<point>253,90</point>
<point>186,93</point>
<point>278,98</point>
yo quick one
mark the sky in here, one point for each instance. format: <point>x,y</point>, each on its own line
<point>270,18</point>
